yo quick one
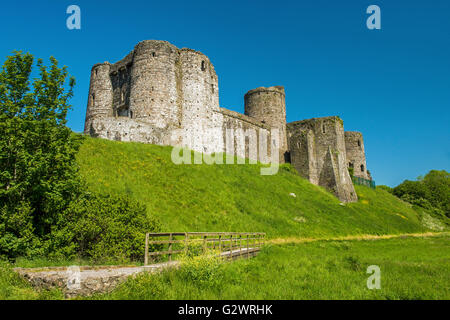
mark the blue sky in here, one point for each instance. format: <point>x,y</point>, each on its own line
<point>392,84</point>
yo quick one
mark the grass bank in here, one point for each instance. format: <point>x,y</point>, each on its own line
<point>236,197</point>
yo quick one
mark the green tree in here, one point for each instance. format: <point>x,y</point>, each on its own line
<point>438,186</point>
<point>431,192</point>
<point>38,173</point>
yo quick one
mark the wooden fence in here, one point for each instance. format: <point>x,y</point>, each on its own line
<point>229,245</point>
<point>364,182</point>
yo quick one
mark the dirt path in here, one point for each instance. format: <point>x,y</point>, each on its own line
<point>357,237</point>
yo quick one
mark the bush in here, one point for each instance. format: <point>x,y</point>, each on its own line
<point>203,269</point>
<point>351,171</point>
<point>385,188</point>
<point>103,228</point>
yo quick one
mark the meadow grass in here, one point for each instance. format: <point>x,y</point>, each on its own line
<point>14,287</point>
<point>411,268</point>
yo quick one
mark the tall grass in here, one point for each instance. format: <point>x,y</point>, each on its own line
<point>14,287</point>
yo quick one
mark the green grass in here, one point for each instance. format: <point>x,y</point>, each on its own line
<point>236,197</point>
<point>411,268</point>
<point>14,287</point>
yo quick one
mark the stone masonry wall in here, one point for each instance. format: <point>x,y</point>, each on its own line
<point>200,99</point>
<point>157,88</point>
<point>356,157</point>
<point>326,163</point>
<point>246,136</point>
<point>153,94</point>
<point>268,106</point>
<point>100,98</point>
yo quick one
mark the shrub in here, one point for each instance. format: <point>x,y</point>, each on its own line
<point>385,188</point>
<point>103,228</point>
<point>351,171</point>
<point>202,269</point>
<point>194,249</point>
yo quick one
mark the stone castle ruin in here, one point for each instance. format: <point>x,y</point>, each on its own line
<point>158,90</point>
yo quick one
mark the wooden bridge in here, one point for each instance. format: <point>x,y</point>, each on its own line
<point>228,245</point>
<point>162,247</point>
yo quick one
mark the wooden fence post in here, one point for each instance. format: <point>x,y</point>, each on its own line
<point>247,247</point>
<point>231,246</point>
<point>170,247</point>
<point>240,246</point>
<point>220,245</point>
<point>146,250</point>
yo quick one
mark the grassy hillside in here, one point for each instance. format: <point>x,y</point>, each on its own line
<point>236,197</point>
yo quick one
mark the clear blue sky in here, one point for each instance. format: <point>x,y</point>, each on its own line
<point>392,84</point>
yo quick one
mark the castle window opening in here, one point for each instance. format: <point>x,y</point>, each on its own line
<point>203,65</point>
<point>359,143</point>
<point>212,88</point>
<point>123,112</point>
<point>153,54</point>
<point>351,165</point>
<point>323,128</point>
<point>362,168</point>
<point>92,99</point>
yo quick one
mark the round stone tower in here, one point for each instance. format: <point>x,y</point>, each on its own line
<point>200,96</point>
<point>153,83</point>
<point>268,106</point>
<point>356,156</point>
<point>100,95</point>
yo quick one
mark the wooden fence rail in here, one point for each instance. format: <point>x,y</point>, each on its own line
<point>229,245</point>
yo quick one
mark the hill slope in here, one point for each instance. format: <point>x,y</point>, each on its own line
<point>236,197</point>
